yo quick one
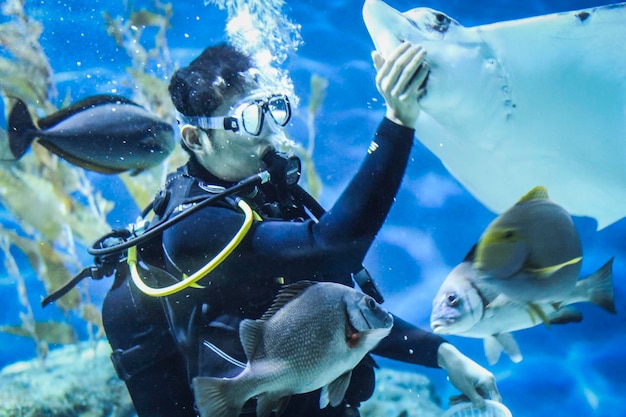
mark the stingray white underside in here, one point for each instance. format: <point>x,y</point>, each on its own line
<point>512,105</point>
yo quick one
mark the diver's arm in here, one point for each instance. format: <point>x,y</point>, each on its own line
<point>408,343</point>
<point>359,212</point>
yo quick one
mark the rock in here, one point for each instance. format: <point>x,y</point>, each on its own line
<point>79,381</point>
<point>402,394</point>
<point>74,381</point>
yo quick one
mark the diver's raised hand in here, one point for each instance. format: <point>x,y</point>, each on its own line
<point>467,376</point>
<point>400,80</point>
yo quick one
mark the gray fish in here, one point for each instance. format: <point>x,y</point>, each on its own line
<point>464,306</point>
<point>312,337</point>
<point>106,133</point>
<point>531,252</point>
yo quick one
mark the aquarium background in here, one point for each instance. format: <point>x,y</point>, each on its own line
<point>575,369</point>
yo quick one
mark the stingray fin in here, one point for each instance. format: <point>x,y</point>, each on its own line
<point>536,194</point>
<point>548,271</point>
<point>211,399</point>
<point>334,392</point>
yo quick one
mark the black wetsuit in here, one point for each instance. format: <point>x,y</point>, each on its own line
<point>286,246</point>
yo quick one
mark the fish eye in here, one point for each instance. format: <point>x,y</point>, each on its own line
<point>452,299</point>
<point>442,23</point>
<point>508,234</point>
<point>371,303</point>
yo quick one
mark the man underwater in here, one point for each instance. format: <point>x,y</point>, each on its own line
<point>231,125</point>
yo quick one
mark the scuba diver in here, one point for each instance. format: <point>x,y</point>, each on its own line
<point>231,227</point>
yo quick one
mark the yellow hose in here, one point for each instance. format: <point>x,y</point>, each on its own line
<point>202,272</point>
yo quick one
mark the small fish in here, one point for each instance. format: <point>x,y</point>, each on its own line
<point>312,337</point>
<point>531,252</point>
<point>464,306</point>
<point>106,133</point>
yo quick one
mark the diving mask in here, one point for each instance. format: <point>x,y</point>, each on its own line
<point>249,116</point>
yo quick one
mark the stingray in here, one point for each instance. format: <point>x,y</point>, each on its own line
<point>516,104</point>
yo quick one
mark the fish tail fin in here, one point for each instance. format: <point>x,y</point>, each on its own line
<point>212,399</point>
<point>597,288</point>
<point>21,129</point>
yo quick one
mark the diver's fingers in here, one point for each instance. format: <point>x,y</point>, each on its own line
<point>457,399</point>
<point>493,393</point>
<point>420,78</point>
<point>388,74</point>
<point>476,399</point>
<point>411,65</point>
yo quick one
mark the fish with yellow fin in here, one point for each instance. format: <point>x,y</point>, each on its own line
<point>532,252</point>
<point>109,134</point>
<point>465,306</point>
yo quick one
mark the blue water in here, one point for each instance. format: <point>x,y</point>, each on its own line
<point>571,370</point>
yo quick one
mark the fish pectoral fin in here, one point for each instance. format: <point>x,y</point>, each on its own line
<point>548,271</point>
<point>334,392</point>
<point>265,404</point>
<point>501,301</point>
<point>536,312</point>
<point>210,397</point>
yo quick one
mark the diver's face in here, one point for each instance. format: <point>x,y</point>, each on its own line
<point>231,155</point>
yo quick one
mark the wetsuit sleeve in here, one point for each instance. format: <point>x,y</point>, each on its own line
<point>342,237</point>
<point>407,343</point>
<point>362,208</point>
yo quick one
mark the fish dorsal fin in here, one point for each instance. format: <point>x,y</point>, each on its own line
<point>334,392</point>
<point>536,194</point>
<point>286,294</point>
<point>471,254</point>
<point>548,271</point>
<point>93,101</point>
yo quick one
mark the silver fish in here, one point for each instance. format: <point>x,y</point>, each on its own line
<point>464,306</point>
<point>312,337</point>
